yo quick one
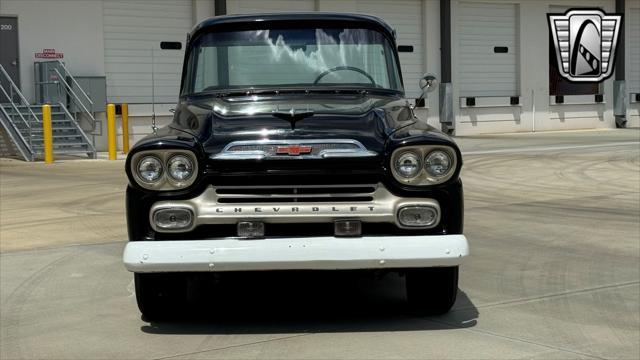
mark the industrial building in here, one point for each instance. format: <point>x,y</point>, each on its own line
<point>494,58</point>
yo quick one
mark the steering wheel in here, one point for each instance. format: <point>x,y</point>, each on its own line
<point>340,68</point>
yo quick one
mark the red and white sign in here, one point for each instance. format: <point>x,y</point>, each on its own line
<point>49,54</point>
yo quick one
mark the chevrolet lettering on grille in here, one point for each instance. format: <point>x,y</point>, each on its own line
<point>293,150</point>
<point>295,209</point>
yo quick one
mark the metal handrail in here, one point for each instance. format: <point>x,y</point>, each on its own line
<point>13,86</point>
<point>73,79</point>
<point>14,107</point>
<point>84,135</point>
<point>75,98</point>
<point>28,143</point>
<point>24,148</point>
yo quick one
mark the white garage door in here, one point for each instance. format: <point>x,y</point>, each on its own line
<point>633,43</point>
<point>487,49</point>
<point>406,17</point>
<point>131,30</point>
<point>264,6</point>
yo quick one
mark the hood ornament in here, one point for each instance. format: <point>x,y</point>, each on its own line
<point>293,115</point>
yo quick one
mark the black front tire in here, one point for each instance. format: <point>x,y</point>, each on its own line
<point>160,296</point>
<point>431,291</point>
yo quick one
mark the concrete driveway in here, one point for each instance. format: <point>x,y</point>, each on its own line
<point>554,225</point>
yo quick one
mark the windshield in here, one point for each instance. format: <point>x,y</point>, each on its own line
<point>327,57</point>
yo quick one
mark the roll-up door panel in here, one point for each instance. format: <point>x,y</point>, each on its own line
<point>131,30</point>
<point>264,6</point>
<point>487,49</point>
<point>406,17</point>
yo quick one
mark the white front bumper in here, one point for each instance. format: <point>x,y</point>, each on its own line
<point>312,253</point>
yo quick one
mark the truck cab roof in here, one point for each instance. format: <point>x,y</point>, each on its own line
<point>291,19</point>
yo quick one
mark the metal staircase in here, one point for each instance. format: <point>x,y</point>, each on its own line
<point>23,123</point>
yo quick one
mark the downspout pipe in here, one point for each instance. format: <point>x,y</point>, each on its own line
<point>619,86</point>
<point>446,89</point>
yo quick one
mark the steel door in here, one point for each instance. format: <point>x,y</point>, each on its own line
<point>9,52</point>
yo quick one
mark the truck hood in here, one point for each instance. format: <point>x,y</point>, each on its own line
<point>216,122</point>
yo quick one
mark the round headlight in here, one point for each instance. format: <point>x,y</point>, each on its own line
<point>180,168</point>
<point>408,165</point>
<point>437,163</point>
<point>150,169</point>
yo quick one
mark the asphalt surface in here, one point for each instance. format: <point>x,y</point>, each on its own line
<point>553,221</point>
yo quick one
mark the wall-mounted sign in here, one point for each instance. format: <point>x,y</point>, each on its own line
<point>585,42</point>
<point>49,54</point>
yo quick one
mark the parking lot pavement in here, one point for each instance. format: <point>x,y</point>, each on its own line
<point>553,221</point>
<point>68,202</point>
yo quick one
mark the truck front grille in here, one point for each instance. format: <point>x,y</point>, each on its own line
<point>295,193</point>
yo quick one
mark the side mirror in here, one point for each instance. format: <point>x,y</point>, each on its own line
<point>428,83</point>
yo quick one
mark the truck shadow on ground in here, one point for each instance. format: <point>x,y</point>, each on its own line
<point>310,302</point>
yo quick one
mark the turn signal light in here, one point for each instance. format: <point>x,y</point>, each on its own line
<point>418,216</point>
<point>173,219</point>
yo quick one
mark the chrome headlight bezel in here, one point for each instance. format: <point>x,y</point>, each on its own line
<point>404,154</point>
<point>424,178</point>
<point>434,153</point>
<point>142,178</point>
<point>178,157</point>
<point>166,182</point>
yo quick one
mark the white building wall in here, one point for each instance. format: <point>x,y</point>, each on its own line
<point>534,81</point>
<point>69,26</point>
<point>202,9</point>
<point>76,28</point>
<point>262,6</point>
<point>140,114</point>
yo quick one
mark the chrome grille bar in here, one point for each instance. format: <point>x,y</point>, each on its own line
<point>268,149</point>
<point>379,206</point>
<point>297,193</point>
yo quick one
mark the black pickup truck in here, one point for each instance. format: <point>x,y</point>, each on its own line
<point>293,147</point>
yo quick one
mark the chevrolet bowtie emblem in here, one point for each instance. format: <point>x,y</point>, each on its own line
<point>293,150</point>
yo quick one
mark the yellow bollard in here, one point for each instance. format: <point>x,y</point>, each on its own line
<point>47,134</point>
<point>111,131</point>
<point>125,128</point>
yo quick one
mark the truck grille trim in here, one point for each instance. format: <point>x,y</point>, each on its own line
<point>316,204</point>
<point>301,200</point>
<point>292,149</point>
<point>297,193</point>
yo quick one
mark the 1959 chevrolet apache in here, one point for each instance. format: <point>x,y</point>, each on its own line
<point>293,147</point>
